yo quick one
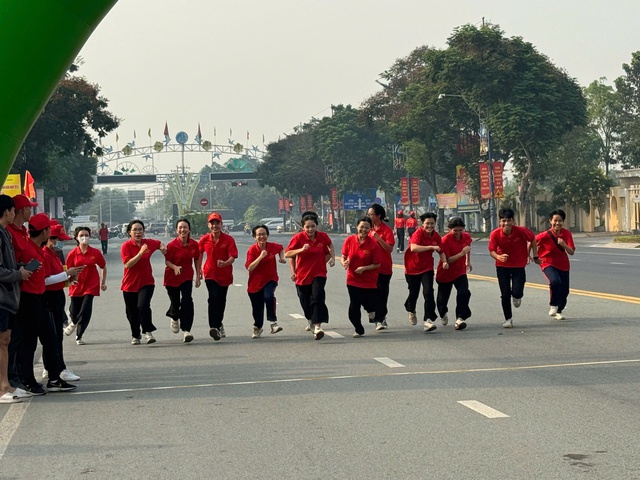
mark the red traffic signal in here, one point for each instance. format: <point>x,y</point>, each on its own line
<point>240,184</point>
<point>290,204</point>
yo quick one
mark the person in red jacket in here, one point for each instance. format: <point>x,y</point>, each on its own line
<point>511,246</point>
<point>554,247</point>
<point>221,252</point>
<point>398,227</point>
<point>383,235</point>
<point>263,279</point>
<point>183,255</point>
<point>89,284</point>
<point>137,281</point>
<point>456,246</point>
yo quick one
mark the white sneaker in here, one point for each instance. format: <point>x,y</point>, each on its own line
<point>318,333</point>
<point>175,326</point>
<point>356,335</point>
<point>222,334</point>
<point>20,393</point>
<point>553,311</point>
<point>45,374</point>
<point>69,329</point>
<point>148,337</point>
<point>308,327</point>
<point>413,320</point>
<point>380,326</point>
<point>69,376</point>
<point>80,341</point>
<point>517,302</point>
<point>558,316</point>
<point>508,323</point>
<point>10,398</point>
<point>275,328</point>
<point>445,320</point>
<point>187,337</point>
<point>429,327</point>
<point>256,332</point>
<point>460,324</point>
<point>135,341</point>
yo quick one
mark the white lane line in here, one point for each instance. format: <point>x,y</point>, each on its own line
<point>237,284</point>
<point>333,334</point>
<point>296,315</point>
<point>617,263</point>
<point>388,362</point>
<point>483,409</point>
<point>10,424</point>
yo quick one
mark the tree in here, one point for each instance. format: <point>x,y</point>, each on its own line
<point>604,108</point>
<point>111,205</point>
<point>628,86</point>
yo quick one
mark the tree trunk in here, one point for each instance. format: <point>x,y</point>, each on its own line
<point>527,186</point>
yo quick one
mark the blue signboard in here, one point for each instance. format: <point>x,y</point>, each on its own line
<point>359,200</point>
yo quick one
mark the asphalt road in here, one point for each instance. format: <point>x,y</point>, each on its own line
<point>545,400</point>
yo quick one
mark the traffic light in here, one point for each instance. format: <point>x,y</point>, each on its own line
<point>243,183</point>
<point>290,204</point>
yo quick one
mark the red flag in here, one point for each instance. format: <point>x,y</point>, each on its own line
<point>29,188</point>
<point>166,128</point>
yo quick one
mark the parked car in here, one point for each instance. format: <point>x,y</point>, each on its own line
<point>156,228</point>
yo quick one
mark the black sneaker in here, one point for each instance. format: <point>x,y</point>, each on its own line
<point>215,334</point>
<point>35,389</point>
<point>59,386</point>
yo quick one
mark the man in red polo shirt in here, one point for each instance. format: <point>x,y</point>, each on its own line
<point>399,226</point>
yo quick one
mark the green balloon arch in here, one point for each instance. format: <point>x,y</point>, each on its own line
<point>39,40</point>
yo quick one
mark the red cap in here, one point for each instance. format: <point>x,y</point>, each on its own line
<point>412,213</point>
<point>57,230</point>
<point>39,221</point>
<point>214,216</point>
<point>21,201</point>
<point>400,212</point>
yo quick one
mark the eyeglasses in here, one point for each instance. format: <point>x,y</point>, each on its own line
<point>137,230</point>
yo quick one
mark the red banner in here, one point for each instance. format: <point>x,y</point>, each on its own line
<point>303,203</point>
<point>498,184</point>
<point>404,191</point>
<point>334,198</point>
<point>310,203</point>
<point>287,205</point>
<point>281,205</point>
<point>485,181</point>
<point>415,190</point>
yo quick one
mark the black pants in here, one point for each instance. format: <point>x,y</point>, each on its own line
<point>462,297</point>
<point>382,297</point>
<point>414,282</point>
<point>360,298</point>
<point>181,306</point>
<point>80,309</point>
<point>265,298</point>
<point>217,303</point>
<point>138,309</point>
<point>410,231</point>
<point>312,300</point>
<point>400,234</point>
<point>558,287</point>
<point>511,282</point>
<point>104,243</point>
<point>54,301</point>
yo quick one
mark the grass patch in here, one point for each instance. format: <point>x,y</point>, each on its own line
<point>627,239</point>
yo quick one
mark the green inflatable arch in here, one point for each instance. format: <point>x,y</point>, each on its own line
<point>39,39</point>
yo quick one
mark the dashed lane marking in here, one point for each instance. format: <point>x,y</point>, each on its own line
<point>296,316</point>
<point>483,409</point>
<point>388,362</point>
<point>333,334</point>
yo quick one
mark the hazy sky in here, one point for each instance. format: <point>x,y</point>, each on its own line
<point>265,66</point>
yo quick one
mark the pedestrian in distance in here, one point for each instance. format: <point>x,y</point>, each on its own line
<point>412,224</point>
<point>183,258</point>
<point>383,235</point>
<point>554,247</point>
<point>513,248</point>
<point>221,252</point>
<point>456,246</point>
<point>263,279</point>
<point>419,270</point>
<point>137,281</point>
<point>92,280</point>
<point>399,226</point>
<point>312,250</point>
<point>361,258</point>
<point>103,234</point>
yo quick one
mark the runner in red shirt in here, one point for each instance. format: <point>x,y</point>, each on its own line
<point>418,270</point>
<point>383,235</point>
<point>137,281</point>
<point>103,234</point>
<point>312,250</point>
<point>510,246</point>
<point>554,247</point>
<point>456,246</point>
<point>399,226</point>
<point>89,284</point>
<point>182,255</point>
<point>263,279</point>
<point>412,225</point>
<point>221,252</point>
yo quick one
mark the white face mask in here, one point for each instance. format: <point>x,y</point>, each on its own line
<point>83,240</point>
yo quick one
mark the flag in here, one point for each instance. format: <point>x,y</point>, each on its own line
<point>167,138</point>
<point>117,138</point>
<point>149,133</point>
<point>134,134</point>
<point>199,135</point>
<point>29,188</point>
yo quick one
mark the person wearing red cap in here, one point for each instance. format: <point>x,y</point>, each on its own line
<point>412,224</point>
<point>221,251</point>
<point>88,285</point>
<point>399,226</point>
<point>137,281</point>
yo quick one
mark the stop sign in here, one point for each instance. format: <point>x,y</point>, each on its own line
<point>204,202</point>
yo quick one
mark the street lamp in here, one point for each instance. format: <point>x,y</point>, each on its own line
<point>482,126</point>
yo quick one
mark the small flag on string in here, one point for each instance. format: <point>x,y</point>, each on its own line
<point>167,138</point>
<point>199,135</point>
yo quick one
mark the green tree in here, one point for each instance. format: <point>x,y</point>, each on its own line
<point>628,86</point>
<point>604,108</point>
<point>110,204</point>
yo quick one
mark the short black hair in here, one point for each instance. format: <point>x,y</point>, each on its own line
<point>559,212</point>
<point>426,215</point>
<point>6,203</point>
<point>255,229</point>
<point>456,222</point>
<point>506,213</point>
<point>365,219</point>
<point>132,223</point>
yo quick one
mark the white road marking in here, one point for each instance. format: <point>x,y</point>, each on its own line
<point>10,423</point>
<point>296,315</point>
<point>617,263</point>
<point>483,409</point>
<point>237,284</point>
<point>388,362</point>
<point>333,334</point>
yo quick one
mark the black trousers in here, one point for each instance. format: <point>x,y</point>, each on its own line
<point>360,298</point>
<point>217,303</point>
<point>265,298</point>
<point>54,301</point>
<point>312,300</point>
<point>558,287</point>
<point>414,282</point>
<point>511,282</point>
<point>181,305</point>
<point>105,244</point>
<point>382,298</point>
<point>400,234</point>
<point>80,309</point>
<point>462,297</point>
<point>138,309</point>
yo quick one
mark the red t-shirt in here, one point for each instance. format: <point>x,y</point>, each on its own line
<point>104,233</point>
<point>267,269</point>
<point>140,275</point>
<point>400,223</point>
<point>450,247</point>
<point>412,222</point>
<point>224,248</point>
<point>514,245</point>
<point>28,252</point>
<point>360,255</point>
<point>53,266</point>
<point>550,253</point>
<point>312,262</point>
<point>19,237</point>
<point>183,256</point>
<point>385,232</point>
<point>416,263</point>
<point>89,278</point>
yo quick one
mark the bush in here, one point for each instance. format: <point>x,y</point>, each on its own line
<point>627,239</point>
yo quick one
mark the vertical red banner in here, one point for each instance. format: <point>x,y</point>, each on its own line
<point>415,190</point>
<point>303,203</point>
<point>404,191</point>
<point>498,184</point>
<point>485,181</point>
<point>287,207</point>
<point>310,203</point>
<point>281,205</point>
<point>334,198</point>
